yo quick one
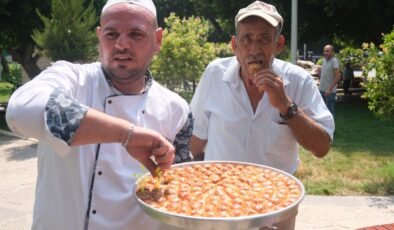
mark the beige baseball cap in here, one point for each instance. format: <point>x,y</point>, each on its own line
<point>263,10</point>
<point>148,4</point>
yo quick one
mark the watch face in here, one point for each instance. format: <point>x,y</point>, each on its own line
<point>291,112</point>
<point>293,109</point>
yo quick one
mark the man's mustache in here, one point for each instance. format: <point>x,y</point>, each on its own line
<point>255,58</point>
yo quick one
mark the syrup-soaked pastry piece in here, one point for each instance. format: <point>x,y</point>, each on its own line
<point>219,190</point>
<point>254,67</point>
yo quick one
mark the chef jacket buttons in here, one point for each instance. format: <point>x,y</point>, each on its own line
<point>109,101</point>
<point>99,173</point>
<point>94,212</point>
<point>143,111</point>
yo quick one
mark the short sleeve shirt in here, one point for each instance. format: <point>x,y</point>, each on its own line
<point>224,116</point>
<point>327,74</point>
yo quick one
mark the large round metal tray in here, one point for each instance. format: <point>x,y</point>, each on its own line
<point>243,222</point>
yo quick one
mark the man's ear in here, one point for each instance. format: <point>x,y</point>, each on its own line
<point>98,31</point>
<point>159,39</point>
<point>280,45</point>
<point>234,43</point>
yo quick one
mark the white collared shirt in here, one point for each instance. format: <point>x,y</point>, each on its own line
<point>224,115</point>
<point>64,189</point>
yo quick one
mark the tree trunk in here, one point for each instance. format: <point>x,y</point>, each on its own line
<point>31,68</point>
<point>4,64</point>
<point>28,60</point>
<point>223,35</point>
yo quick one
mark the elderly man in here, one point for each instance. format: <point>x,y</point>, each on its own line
<point>255,108</point>
<point>99,123</point>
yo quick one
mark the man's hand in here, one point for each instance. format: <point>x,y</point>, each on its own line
<point>328,92</point>
<point>145,145</point>
<point>151,149</point>
<point>266,80</point>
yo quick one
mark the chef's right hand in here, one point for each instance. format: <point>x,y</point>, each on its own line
<point>145,144</point>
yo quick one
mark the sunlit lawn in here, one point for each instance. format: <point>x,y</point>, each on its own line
<point>4,95</point>
<point>5,89</point>
<point>361,160</point>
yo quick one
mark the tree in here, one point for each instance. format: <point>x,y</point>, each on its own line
<point>69,32</point>
<point>185,52</point>
<point>345,23</point>
<point>380,89</point>
<point>182,8</point>
<point>219,13</point>
<point>320,21</point>
<point>17,20</point>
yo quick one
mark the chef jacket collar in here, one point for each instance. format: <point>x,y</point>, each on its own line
<point>148,82</point>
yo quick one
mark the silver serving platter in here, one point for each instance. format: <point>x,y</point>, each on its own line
<point>223,223</point>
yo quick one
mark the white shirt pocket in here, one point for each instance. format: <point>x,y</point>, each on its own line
<point>282,147</point>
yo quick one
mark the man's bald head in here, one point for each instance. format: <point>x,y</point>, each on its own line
<point>328,51</point>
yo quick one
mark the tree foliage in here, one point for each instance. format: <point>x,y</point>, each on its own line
<point>69,31</point>
<point>185,52</point>
<point>344,23</point>
<point>354,56</point>
<point>380,89</point>
<point>18,18</point>
<point>182,8</point>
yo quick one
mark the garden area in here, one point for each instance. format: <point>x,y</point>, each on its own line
<point>361,159</point>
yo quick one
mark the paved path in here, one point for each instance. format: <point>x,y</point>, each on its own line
<point>18,174</point>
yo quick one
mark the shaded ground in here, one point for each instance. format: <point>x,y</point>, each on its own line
<point>17,175</point>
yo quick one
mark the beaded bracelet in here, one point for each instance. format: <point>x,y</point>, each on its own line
<point>128,136</point>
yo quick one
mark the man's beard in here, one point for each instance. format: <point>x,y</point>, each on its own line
<point>131,75</point>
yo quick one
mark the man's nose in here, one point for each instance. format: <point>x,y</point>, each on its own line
<point>122,42</point>
<point>255,48</point>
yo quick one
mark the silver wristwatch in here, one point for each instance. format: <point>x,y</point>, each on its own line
<point>292,110</point>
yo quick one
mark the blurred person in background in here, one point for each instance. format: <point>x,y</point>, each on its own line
<point>329,77</point>
<point>348,77</point>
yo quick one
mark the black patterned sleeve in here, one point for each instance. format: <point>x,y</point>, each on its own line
<point>182,141</point>
<point>63,115</point>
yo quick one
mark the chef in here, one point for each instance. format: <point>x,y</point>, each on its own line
<point>101,125</point>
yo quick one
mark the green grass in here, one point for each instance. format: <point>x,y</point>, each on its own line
<point>361,159</point>
<point>5,89</point>
<point>8,80</point>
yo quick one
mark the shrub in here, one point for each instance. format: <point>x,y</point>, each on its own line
<point>185,53</point>
<point>355,56</point>
<point>380,89</point>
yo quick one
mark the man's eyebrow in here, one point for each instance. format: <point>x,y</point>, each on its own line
<point>134,29</point>
<point>264,34</point>
<point>107,28</point>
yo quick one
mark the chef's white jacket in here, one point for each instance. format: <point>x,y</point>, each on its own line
<point>96,178</point>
